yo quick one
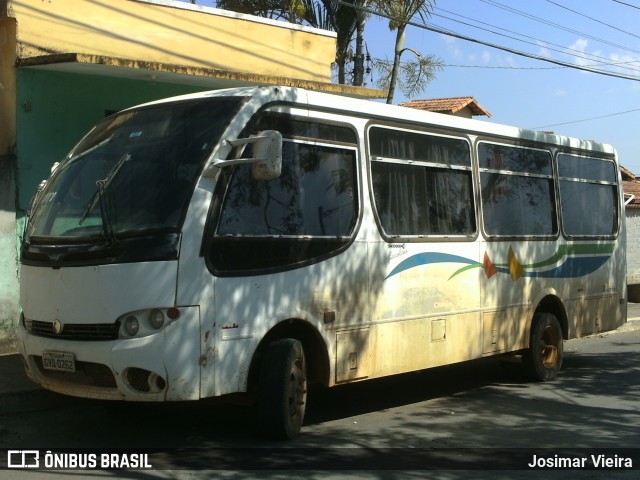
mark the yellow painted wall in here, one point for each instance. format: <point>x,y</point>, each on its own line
<point>7,86</point>
<point>173,33</point>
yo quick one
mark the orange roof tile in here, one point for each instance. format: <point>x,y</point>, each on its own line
<point>447,105</point>
<point>631,186</point>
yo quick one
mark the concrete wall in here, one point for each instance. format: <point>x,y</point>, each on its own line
<point>173,33</point>
<point>633,253</point>
<point>8,254</point>
<point>8,263</point>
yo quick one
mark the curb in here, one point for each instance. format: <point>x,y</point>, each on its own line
<point>632,325</point>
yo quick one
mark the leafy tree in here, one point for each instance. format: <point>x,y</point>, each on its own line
<point>293,11</point>
<point>411,76</point>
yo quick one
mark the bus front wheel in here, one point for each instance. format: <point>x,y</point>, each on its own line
<point>282,389</point>
<point>543,359</point>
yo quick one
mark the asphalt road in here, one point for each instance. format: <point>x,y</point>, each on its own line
<point>450,422</point>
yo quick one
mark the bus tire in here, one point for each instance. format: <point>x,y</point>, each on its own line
<point>543,359</point>
<point>282,389</point>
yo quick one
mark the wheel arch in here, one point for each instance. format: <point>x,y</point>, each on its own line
<point>553,305</point>
<point>315,350</point>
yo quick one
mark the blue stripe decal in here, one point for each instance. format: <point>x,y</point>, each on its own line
<point>427,258</point>
<point>572,267</point>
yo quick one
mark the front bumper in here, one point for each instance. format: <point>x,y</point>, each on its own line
<point>160,367</point>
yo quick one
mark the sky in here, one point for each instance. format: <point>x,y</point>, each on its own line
<point>529,92</point>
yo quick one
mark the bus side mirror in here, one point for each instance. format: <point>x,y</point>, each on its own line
<point>267,151</point>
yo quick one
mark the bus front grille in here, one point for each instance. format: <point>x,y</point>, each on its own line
<point>87,373</point>
<point>74,331</point>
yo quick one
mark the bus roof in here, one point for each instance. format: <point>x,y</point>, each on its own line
<point>382,111</point>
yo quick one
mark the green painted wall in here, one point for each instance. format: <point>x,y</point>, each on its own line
<point>54,110</point>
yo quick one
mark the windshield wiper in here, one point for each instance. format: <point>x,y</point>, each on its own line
<point>101,188</point>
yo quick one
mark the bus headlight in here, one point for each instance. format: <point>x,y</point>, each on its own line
<point>156,318</point>
<point>149,321</point>
<point>131,325</point>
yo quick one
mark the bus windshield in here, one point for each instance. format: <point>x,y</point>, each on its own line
<point>133,173</point>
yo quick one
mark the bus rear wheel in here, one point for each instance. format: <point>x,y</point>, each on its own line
<point>282,389</point>
<point>543,359</point>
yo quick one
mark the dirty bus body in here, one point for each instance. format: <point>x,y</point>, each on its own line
<point>260,240</point>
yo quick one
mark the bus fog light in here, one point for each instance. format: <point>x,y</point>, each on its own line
<point>131,325</point>
<point>156,318</point>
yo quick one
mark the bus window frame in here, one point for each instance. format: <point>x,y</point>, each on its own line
<point>432,132</point>
<point>225,175</point>
<point>616,182</point>
<point>552,176</point>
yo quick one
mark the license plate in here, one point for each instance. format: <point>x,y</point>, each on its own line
<point>59,361</point>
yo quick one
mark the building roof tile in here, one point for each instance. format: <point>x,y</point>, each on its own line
<point>448,105</point>
<point>631,187</point>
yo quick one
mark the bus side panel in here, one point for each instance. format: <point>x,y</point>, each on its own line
<point>505,329</point>
<point>581,276</point>
<point>509,287</point>
<point>600,305</point>
<point>426,307</point>
<point>331,297</point>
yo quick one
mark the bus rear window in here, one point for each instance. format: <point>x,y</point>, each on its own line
<point>588,195</point>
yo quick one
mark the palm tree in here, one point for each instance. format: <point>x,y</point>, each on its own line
<point>400,13</point>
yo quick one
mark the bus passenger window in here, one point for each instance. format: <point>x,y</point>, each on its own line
<point>517,188</point>
<point>313,196</point>
<point>422,184</point>
<point>588,196</point>
<point>310,211</point>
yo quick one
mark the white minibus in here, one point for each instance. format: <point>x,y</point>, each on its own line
<point>256,241</point>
